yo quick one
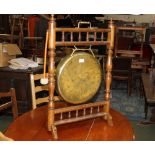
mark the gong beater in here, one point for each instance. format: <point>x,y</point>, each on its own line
<point>78,77</point>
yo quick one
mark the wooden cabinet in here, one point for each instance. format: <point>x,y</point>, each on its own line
<point>20,80</point>
<point>129,41</point>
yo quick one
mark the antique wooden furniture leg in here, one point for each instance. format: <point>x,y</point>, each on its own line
<point>51,77</point>
<point>108,78</point>
<point>107,90</point>
<point>149,89</point>
<point>14,103</point>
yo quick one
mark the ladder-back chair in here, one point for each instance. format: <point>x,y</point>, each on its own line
<point>11,95</point>
<point>122,71</point>
<point>36,87</point>
<point>39,92</point>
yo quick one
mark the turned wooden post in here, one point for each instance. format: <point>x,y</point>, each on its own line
<point>108,78</point>
<point>51,74</point>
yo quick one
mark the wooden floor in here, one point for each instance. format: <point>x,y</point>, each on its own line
<point>32,126</point>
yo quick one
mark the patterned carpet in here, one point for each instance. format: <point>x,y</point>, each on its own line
<point>131,106</point>
<point>5,121</point>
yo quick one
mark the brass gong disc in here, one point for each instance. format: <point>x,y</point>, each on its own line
<point>78,77</point>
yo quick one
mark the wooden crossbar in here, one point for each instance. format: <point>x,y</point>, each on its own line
<point>78,107</point>
<point>80,118</point>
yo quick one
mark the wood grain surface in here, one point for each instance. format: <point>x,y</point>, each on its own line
<point>32,126</point>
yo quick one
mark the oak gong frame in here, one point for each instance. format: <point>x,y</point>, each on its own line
<point>97,109</point>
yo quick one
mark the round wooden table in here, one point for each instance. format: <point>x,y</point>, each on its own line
<point>32,126</point>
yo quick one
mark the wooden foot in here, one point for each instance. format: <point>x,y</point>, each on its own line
<point>105,117</point>
<point>109,120</point>
<point>49,128</point>
<point>54,132</point>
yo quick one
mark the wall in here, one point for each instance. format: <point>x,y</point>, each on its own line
<point>143,18</point>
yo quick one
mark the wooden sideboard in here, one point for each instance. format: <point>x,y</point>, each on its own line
<point>20,80</point>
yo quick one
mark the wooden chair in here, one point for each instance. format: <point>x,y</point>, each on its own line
<point>11,103</point>
<point>121,70</point>
<point>37,88</point>
<point>40,93</point>
<point>32,44</point>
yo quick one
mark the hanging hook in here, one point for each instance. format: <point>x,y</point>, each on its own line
<point>83,49</point>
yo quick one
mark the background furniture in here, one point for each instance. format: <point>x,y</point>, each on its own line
<point>17,24</point>
<point>10,101</point>
<point>126,37</point>
<point>4,24</point>
<point>10,29</point>
<point>21,30</point>
<point>122,71</point>
<point>148,83</point>
<point>28,128</point>
<point>153,47</point>
<point>20,80</point>
<point>39,92</point>
<point>33,44</point>
<point>130,43</point>
<point>36,89</point>
<point>33,48</point>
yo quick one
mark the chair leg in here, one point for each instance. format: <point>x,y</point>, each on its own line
<point>146,109</point>
<point>14,104</point>
<point>141,89</point>
<point>129,87</point>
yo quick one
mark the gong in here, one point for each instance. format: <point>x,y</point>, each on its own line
<point>78,77</point>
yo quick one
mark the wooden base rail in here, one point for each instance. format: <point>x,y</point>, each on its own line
<point>80,118</point>
<point>79,112</point>
<point>79,107</point>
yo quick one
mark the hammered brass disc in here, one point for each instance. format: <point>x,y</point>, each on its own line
<point>78,77</point>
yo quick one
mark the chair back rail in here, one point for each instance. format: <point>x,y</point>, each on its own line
<point>37,87</point>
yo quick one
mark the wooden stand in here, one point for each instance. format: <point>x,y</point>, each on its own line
<point>82,111</point>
